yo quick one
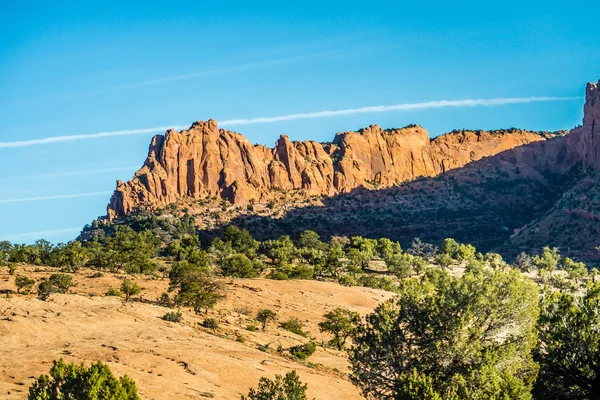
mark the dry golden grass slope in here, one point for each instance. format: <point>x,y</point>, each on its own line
<point>173,360</point>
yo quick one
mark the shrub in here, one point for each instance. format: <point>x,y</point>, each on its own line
<point>524,263</point>
<point>69,381</point>
<point>97,274</point>
<point>293,325</point>
<point>195,287</point>
<point>278,276</point>
<point>446,338</point>
<point>113,292</point>
<point>130,288</point>
<point>302,271</point>
<point>251,328</point>
<point>210,323</point>
<point>24,284</point>
<point>347,280</point>
<point>12,268</point>
<point>165,300</point>
<point>242,310</point>
<point>173,316</point>
<point>444,260</point>
<point>341,324</point>
<point>239,266</point>
<point>303,351</point>
<point>240,338</point>
<point>264,316</point>
<point>282,388</point>
<point>569,347</point>
<point>548,260</point>
<point>263,347</point>
<point>377,282</point>
<point>57,283</point>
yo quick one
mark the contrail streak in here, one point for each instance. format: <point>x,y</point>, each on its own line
<point>397,107</point>
<point>68,173</point>
<point>70,138</point>
<point>62,196</point>
<point>310,115</point>
<point>39,234</point>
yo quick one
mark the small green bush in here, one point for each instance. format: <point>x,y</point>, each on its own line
<point>263,347</point>
<point>251,328</point>
<point>240,338</point>
<point>293,325</point>
<point>377,282</point>
<point>24,284</point>
<point>282,388</point>
<point>57,283</point>
<point>130,288</point>
<point>347,280</point>
<point>210,323</point>
<point>165,300</point>
<point>278,276</point>
<point>302,271</point>
<point>303,351</point>
<point>113,292</point>
<point>173,316</point>
<point>264,316</point>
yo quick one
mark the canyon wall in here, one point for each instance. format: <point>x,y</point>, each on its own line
<point>207,161</point>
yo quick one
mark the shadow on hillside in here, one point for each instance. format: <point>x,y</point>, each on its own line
<point>483,203</point>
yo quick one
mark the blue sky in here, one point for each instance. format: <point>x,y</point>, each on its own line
<point>76,69</point>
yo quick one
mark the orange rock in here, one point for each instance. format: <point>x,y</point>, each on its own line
<point>205,160</point>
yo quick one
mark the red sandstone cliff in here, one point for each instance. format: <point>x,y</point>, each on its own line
<point>207,161</point>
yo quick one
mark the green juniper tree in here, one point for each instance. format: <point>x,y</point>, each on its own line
<point>264,316</point>
<point>77,382</point>
<point>194,286</point>
<point>130,288</point>
<point>282,388</point>
<point>24,284</point>
<point>57,283</point>
<point>569,347</point>
<point>450,338</point>
<point>341,324</point>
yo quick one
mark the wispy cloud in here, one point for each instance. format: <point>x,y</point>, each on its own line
<point>310,115</point>
<point>397,107</point>
<point>71,138</point>
<point>39,234</point>
<point>68,173</point>
<point>57,197</point>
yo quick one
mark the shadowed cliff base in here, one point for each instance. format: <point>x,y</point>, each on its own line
<point>500,203</point>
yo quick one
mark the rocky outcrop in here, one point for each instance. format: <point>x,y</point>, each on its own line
<point>584,141</point>
<point>207,161</point>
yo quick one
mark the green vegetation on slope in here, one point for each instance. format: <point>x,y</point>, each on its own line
<point>462,324</point>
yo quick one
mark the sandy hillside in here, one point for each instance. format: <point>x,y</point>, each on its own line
<point>173,360</point>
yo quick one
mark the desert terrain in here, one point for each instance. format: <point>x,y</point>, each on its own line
<point>171,360</point>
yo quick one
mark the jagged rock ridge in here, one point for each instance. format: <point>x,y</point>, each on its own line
<point>205,160</point>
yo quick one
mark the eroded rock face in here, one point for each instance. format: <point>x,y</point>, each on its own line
<point>205,160</point>
<point>584,141</point>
